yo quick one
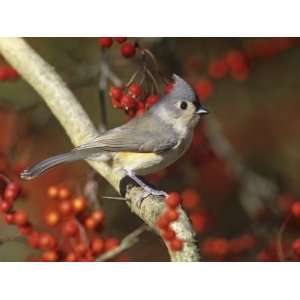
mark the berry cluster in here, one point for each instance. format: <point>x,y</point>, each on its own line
<point>75,228</point>
<point>132,99</point>
<point>227,249</point>
<point>236,63</point>
<point>127,49</point>
<point>8,73</point>
<point>166,218</point>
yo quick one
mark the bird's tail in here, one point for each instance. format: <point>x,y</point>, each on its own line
<point>48,163</point>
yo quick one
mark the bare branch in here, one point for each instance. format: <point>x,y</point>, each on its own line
<point>63,104</point>
<point>127,242</point>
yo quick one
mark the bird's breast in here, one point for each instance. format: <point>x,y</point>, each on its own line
<point>147,163</point>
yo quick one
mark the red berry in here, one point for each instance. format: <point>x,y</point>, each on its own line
<point>3,74</point>
<point>116,103</point>
<point>235,59</point>
<point>199,221</point>
<point>25,229</point>
<point>204,88</point>
<point>70,228</point>
<point>168,234</point>
<point>116,93</point>
<point>296,247</point>
<point>65,207</point>
<point>111,243</point>
<point>81,249</point>
<point>8,218</point>
<point>151,100</point>
<point>162,222</point>
<point>127,102</point>
<point>105,42</point>
<point>296,209</point>
<point>176,244</point>
<point>34,239</point>
<point>120,40</point>
<point>97,246</point>
<point>4,206</point>
<point>190,199</point>
<point>171,215</point>
<point>20,218</point>
<point>168,88</point>
<point>135,89</point>
<point>128,50</point>
<point>12,73</point>
<point>47,241</point>
<point>217,69</point>
<point>90,223</point>
<point>98,216</point>
<point>173,200</point>
<point>12,191</point>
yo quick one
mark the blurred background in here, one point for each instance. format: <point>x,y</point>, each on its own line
<point>239,181</point>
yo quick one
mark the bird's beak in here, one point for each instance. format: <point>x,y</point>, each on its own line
<point>202,111</point>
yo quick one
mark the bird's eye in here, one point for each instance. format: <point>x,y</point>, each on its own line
<point>183,105</point>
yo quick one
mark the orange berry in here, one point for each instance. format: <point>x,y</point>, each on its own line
<point>64,193</point>
<point>50,255</point>
<point>97,246</point>
<point>98,216</point>
<point>173,200</point>
<point>171,215</point>
<point>52,218</point>
<point>65,207</point>
<point>79,204</point>
<point>52,191</point>
<point>190,199</point>
<point>90,223</point>
<point>176,244</point>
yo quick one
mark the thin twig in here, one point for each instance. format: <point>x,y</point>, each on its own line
<point>279,247</point>
<point>126,243</point>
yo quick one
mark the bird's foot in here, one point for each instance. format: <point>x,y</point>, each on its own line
<point>147,189</point>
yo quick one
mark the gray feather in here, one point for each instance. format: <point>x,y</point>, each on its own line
<point>136,136</point>
<point>49,163</point>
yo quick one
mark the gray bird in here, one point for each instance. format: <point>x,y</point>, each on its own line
<point>145,144</point>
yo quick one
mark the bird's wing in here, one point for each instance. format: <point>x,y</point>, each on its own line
<point>137,135</point>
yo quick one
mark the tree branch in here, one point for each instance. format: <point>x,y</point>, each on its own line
<point>63,104</point>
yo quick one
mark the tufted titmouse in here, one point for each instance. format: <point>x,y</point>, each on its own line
<point>145,144</point>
